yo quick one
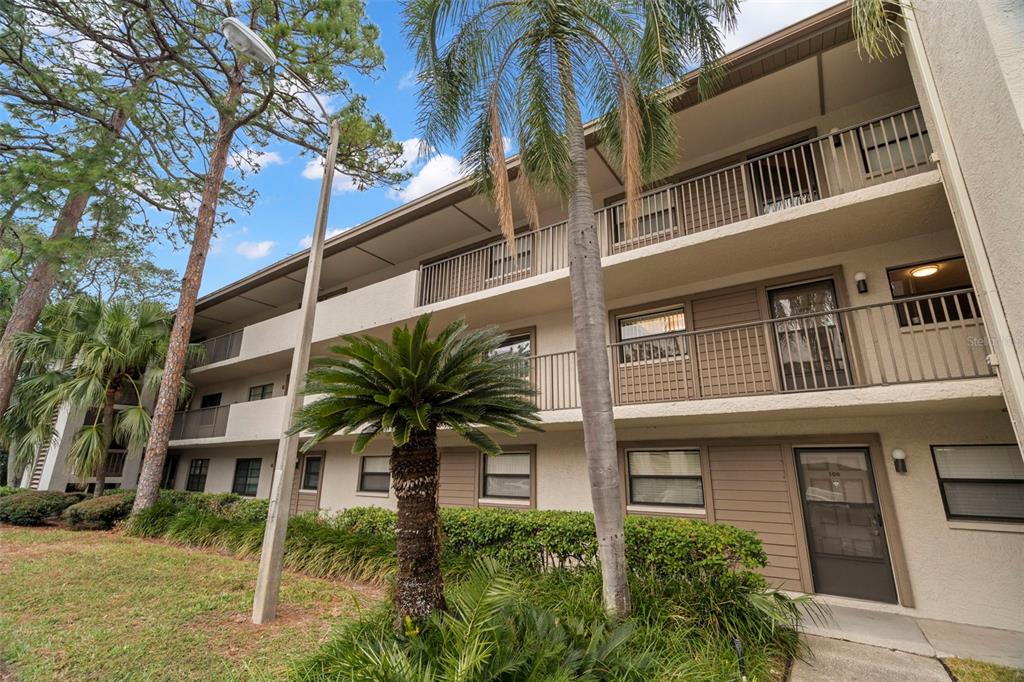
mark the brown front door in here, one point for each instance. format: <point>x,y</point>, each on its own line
<point>845,535</point>
<point>309,475</point>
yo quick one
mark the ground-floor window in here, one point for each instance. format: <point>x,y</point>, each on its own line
<point>670,477</point>
<point>311,472</point>
<point>197,470</point>
<point>247,477</point>
<point>374,475</point>
<point>981,482</point>
<point>507,475</point>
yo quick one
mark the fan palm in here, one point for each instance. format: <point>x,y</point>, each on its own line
<point>409,388</point>
<point>521,67</point>
<point>90,354</point>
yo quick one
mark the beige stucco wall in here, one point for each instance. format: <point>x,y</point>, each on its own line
<point>959,571</point>
<point>222,466</point>
<point>977,96</point>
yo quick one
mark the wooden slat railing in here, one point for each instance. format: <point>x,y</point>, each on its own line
<point>876,151</point>
<point>924,338</point>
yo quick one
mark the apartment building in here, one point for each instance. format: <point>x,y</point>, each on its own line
<point>797,347</point>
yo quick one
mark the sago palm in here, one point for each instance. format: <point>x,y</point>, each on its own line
<point>408,389</point>
<point>523,68</point>
<point>89,354</point>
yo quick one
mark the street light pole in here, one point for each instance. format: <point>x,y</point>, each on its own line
<point>268,580</point>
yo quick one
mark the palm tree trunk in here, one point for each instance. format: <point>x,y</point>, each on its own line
<point>419,588</point>
<point>590,319</point>
<point>33,298</point>
<point>174,365</point>
<point>108,438</point>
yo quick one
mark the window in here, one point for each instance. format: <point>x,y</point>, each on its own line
<point>115,463</point>
<point>886,147</point>
<point>501,264</point>
<point>657,217</point>
<point>981,482</point>
<point>507,475</point>
<point>783,178</point>
<point>665,477</point>
<point>374,475</point>
<point>933,277</point>
<point>652,335</point>
<point>247,477</point>
<point>197,470</point>
<point>261,392</point>
<point>210,400</point>
<point>515,344</point>
<point>311,473</point>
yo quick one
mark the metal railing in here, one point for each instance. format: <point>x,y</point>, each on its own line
<point>870,153</point>
<point>220,348</point>
<point>923,338</point>
<point>207,422</point>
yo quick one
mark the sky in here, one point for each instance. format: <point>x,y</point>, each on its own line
<point>280,222</point>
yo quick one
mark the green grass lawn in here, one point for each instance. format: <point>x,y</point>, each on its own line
<point>101,606</point>
<point>966,670</point>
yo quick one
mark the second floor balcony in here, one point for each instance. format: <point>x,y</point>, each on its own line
<point>870,153</point>
<point>920,339</point>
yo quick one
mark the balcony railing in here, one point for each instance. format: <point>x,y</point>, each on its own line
<point>924,338</point>
<point>219,348</point>
<point>870,153</point>
<point>207,422</point>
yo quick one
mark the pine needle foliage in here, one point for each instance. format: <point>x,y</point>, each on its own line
<point>418,383</point>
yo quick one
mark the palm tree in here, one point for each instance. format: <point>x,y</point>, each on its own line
<point>90,354</point>
<point>409,388</point>
<point>520,67</point>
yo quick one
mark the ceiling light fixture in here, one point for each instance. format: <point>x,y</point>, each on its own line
<point>925,271</point>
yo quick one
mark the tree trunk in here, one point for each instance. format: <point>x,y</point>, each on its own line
<point>181,332</point>
<point>590,320</point>
<point>419,588</point>
<point>107,419</point>
<point>33,298</point>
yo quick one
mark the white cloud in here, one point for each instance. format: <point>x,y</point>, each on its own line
<point>408,80</point>
<point>255,250</point>
<point>251,161</point>
<point>314,170</point>
<point>758,18</point>
<point>438,171</point>
<point>307,241</point>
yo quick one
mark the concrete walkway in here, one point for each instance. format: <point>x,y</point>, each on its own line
<point>838,661</point>
<point>924,640</point>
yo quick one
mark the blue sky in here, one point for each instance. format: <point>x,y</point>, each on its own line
<point>282,217</point>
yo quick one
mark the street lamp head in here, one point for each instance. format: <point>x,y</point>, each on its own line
<point>245,41</point>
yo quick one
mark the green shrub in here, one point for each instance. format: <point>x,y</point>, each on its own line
<point>99,513</point>
<point>6,490</point>
<point>34,507</point>
<point>488,633</point>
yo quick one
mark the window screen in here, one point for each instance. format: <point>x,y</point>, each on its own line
<point>374,475</point>
<point>665,477</point>
<point>652,336</point>
<point>261,392</point>
<point>507,475</point>
<point>247,477</point>
<point>981,481</point>
<point>311,474</point>
<point>197,470</point>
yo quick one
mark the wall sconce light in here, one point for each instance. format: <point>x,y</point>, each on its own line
<point>862,282</point>
<point>899,460</point>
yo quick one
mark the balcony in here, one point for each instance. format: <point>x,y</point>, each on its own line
<point>208,422</point>
<point>220,348</point>
<point>927,338</point>
<point>868,154</point>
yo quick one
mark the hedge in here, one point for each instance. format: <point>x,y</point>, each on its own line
<point>359,542</point>
<point>99,513</point>
<point>35,507</point>
<point>6,490</point>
